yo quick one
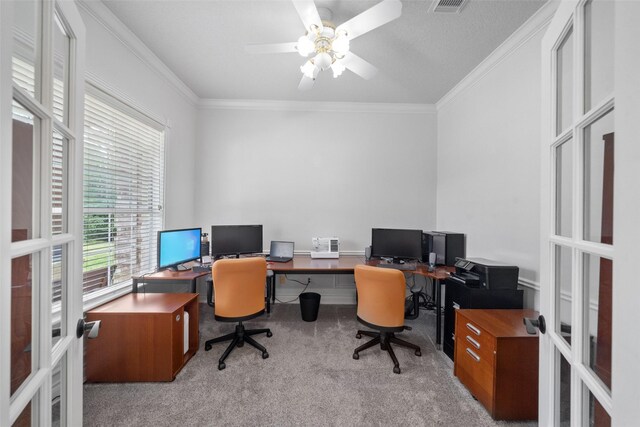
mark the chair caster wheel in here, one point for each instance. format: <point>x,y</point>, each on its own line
<point>418,353</point>
<point>221,366</point>
<point>356,356</point>
<point>396,369</point>
<point>207,347</point>
<point>265,355</point>
<point>269,334</point>
<point>358,336</point>
<point>240,344</point>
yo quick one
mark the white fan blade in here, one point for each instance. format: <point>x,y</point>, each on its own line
<point>308,13</point>
<point>306,83</point>
<point>271,48</point>
<point>359,66</point>
<point>380,14</point>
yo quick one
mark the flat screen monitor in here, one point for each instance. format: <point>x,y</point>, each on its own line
<point>396,243</point>
<point>235,239</point>
<point>178,246</point>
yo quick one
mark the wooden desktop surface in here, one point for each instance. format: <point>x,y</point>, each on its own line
<point>343,265</point>
<point>146,303</point>
<point>346,264</point>
<point>169,275</point>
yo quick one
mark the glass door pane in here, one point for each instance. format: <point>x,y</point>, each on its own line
<point>596,415</point>
<point>564,297</point>
<point>28,416</point>
<point>58,293</point>
<point>599,48</point>
<point>58,395</point>
<point>563,395</point>
<point>564,188</point>
<point>25,173</point>
<point>59,184</point>
<point>26,47</point>
<point>24,276</point>
<point>61,45</point>
<point>564,83</point>
<point>597,279</point>
<point>598,180</point>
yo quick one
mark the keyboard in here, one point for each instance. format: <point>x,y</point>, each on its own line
<point>403,267</point>
<point>201,269</point>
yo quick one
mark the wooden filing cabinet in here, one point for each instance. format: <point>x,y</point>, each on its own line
<point>142,337</point>
<point>497,360</point>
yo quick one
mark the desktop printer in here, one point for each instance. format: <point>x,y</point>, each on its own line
<point>484,273</point>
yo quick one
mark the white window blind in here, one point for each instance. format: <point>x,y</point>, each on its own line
<point>123,191</point>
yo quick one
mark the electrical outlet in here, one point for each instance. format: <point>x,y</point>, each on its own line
<point>282,280</point>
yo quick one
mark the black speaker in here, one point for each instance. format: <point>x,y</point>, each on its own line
<point>446,245</point>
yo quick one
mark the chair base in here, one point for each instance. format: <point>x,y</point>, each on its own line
<point>238,338</point>
<point>385,339</point>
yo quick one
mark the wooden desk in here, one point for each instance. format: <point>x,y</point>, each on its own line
<point>166,276</point>
<point>304,264</point>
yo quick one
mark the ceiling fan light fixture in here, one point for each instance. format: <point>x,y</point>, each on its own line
<point>309,69</point>
<point>322,60</point>
<point>305,46</point>
<point>325,45</point>
<point>338,68</point>
<point>340,45</point>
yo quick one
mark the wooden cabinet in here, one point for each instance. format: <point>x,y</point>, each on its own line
<point>142,338</point>
<point>461,296</point>
<point>497,361</point>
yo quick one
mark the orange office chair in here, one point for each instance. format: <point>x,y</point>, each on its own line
<point>381,296</point>
<point>238,286</point>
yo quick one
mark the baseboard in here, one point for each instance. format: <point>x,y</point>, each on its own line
<point>325,299</point>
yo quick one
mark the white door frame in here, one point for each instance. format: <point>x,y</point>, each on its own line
<point>37,388</point>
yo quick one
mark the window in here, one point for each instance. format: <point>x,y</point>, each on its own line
<point>123,191</point>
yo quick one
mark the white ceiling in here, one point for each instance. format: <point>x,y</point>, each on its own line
<point>421,55</point>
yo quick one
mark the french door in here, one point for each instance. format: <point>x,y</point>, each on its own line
<point>41,109</point>
<point>577,245</point>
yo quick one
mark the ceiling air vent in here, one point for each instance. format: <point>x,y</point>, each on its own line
<point>448,6</point>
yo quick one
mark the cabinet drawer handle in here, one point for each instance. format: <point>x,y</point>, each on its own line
<point>473,342</point>
<point>472,354</point>
<point>473,329</point>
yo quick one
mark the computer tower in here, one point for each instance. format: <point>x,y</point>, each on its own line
<point>446,245</point>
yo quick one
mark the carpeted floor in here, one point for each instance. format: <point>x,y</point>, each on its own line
<point>309,379</point>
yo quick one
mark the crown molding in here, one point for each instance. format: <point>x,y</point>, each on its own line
<point>530,28</point>
<point>337,107</point>
<point>111,23</point>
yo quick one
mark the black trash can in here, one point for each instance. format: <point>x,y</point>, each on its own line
<point>309,306</point>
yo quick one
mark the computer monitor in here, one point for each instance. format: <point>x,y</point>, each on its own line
<point>396,243</point>
<point>235,239</point>
<point>176,247</point>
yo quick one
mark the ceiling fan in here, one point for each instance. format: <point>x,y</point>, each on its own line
<point>327,46</point>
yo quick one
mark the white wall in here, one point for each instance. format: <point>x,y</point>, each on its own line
<point>123,73</point>
<point>626,293</point>
<point>489,163</point>
<point>317,173</point>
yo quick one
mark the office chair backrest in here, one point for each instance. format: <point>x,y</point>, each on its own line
<point>381,295</point>
<point>238,286</point>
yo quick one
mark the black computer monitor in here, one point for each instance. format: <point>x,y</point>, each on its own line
<point>178,246</point>
<point>396,243</point>
<point>235,239</point>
